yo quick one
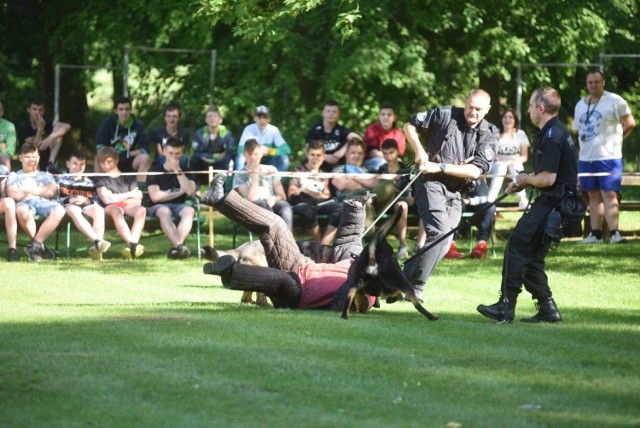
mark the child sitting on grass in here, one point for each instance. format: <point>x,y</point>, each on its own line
<point>121,196</point>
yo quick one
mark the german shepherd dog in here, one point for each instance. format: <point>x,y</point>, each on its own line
<point>376,272</point>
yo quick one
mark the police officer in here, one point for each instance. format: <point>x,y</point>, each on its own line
<point>555,173</point>
<point>460,147</point>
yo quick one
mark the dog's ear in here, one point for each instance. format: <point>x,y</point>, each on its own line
<point>209,253</point>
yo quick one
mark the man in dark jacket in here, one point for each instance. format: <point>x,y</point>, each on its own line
<point>126,134</point>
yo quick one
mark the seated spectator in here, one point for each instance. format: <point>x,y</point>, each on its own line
<point>378,132</point>
<point>511,155</point>
<point>77,193</point>
<point>334,136</point>
<point>261,184</point>
<point>120,196</point>
<point>159,136</point>
<point>310,196</point>
<point>34,192</point>
<point>275,150</point>
<point>394,165</point>
<point>168,192</point>
<point>44,133</point>
<point>8,209</point>
<point>7,140</point>
<point>352,187</point>
<point>212,145</point>
<point>126,134</point>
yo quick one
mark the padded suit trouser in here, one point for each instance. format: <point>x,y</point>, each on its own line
<point>280,281</point>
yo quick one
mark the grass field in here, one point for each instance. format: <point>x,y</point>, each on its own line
<point>156,343</point>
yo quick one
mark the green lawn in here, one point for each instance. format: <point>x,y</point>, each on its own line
<point>154,342</point>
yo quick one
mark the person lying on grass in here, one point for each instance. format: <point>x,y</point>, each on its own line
<point>291,281</point>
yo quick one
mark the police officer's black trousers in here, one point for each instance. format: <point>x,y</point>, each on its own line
<point>524,255</point>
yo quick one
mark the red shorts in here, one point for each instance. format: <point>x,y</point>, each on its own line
<point>121,205</point>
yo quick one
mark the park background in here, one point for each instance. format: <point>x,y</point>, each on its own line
<point>294,55</point>
<point>156,343</point>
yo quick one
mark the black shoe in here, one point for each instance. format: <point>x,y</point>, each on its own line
<point>173,253</point>
<point>220,267</point>
<point>547,312</point>
<point>502,311</point>
<point>12,255</point>
<point>215,192</point>
<point>183,252</point>
<point>48,254</point>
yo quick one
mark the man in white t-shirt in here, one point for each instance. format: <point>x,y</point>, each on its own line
<point>603,120</point>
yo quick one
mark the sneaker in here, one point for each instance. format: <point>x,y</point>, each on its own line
<point>103,246</point>
<point>95,253</point>
<point>48,253</point>
<point>479,251</point>
<point>590,239</point>
<point>12,255</point>
<point>173,253</point>
<point>183,251</point>
<point>34,250</point>
<point>126,253</point>
<point>137,250</point>
<point>403,252</point>
<point>616,238</point>
<point>453,252</point>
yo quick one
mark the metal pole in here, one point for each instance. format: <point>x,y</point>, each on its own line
<point>212,75</point>
<point>125,72</point>
<point>56,96</point>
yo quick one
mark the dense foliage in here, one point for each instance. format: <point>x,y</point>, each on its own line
<point>294,54</point>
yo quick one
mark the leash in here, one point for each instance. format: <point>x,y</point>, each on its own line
<point>407,187</point>
<point>463,223</point>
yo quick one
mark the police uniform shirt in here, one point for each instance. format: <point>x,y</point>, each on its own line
<point>553,152</point>
<point>448,125</point>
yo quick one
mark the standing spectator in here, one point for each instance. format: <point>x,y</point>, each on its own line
<point>261,184</point>
<point>310,196</point>
<point>121,196</point>
<point>159,136</point>
<point>126,134</point>
<point>169,192</point>
<point>460,148</point>
<point>381,130</point>
<point>77,193</point>
<point>44,133</point>
<point>394,165</point>
<point>212,145</point>
<point>334,135</point>
<point>8,209</point>
<point>554,174</point>
<point>513,149</point>
<point>275,150</point>
<point>7,140</point>
<point>35,194</point>
<point>603,120</point>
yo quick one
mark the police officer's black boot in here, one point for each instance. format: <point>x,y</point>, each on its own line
<point>504,310</point>
<point>547,312</point>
